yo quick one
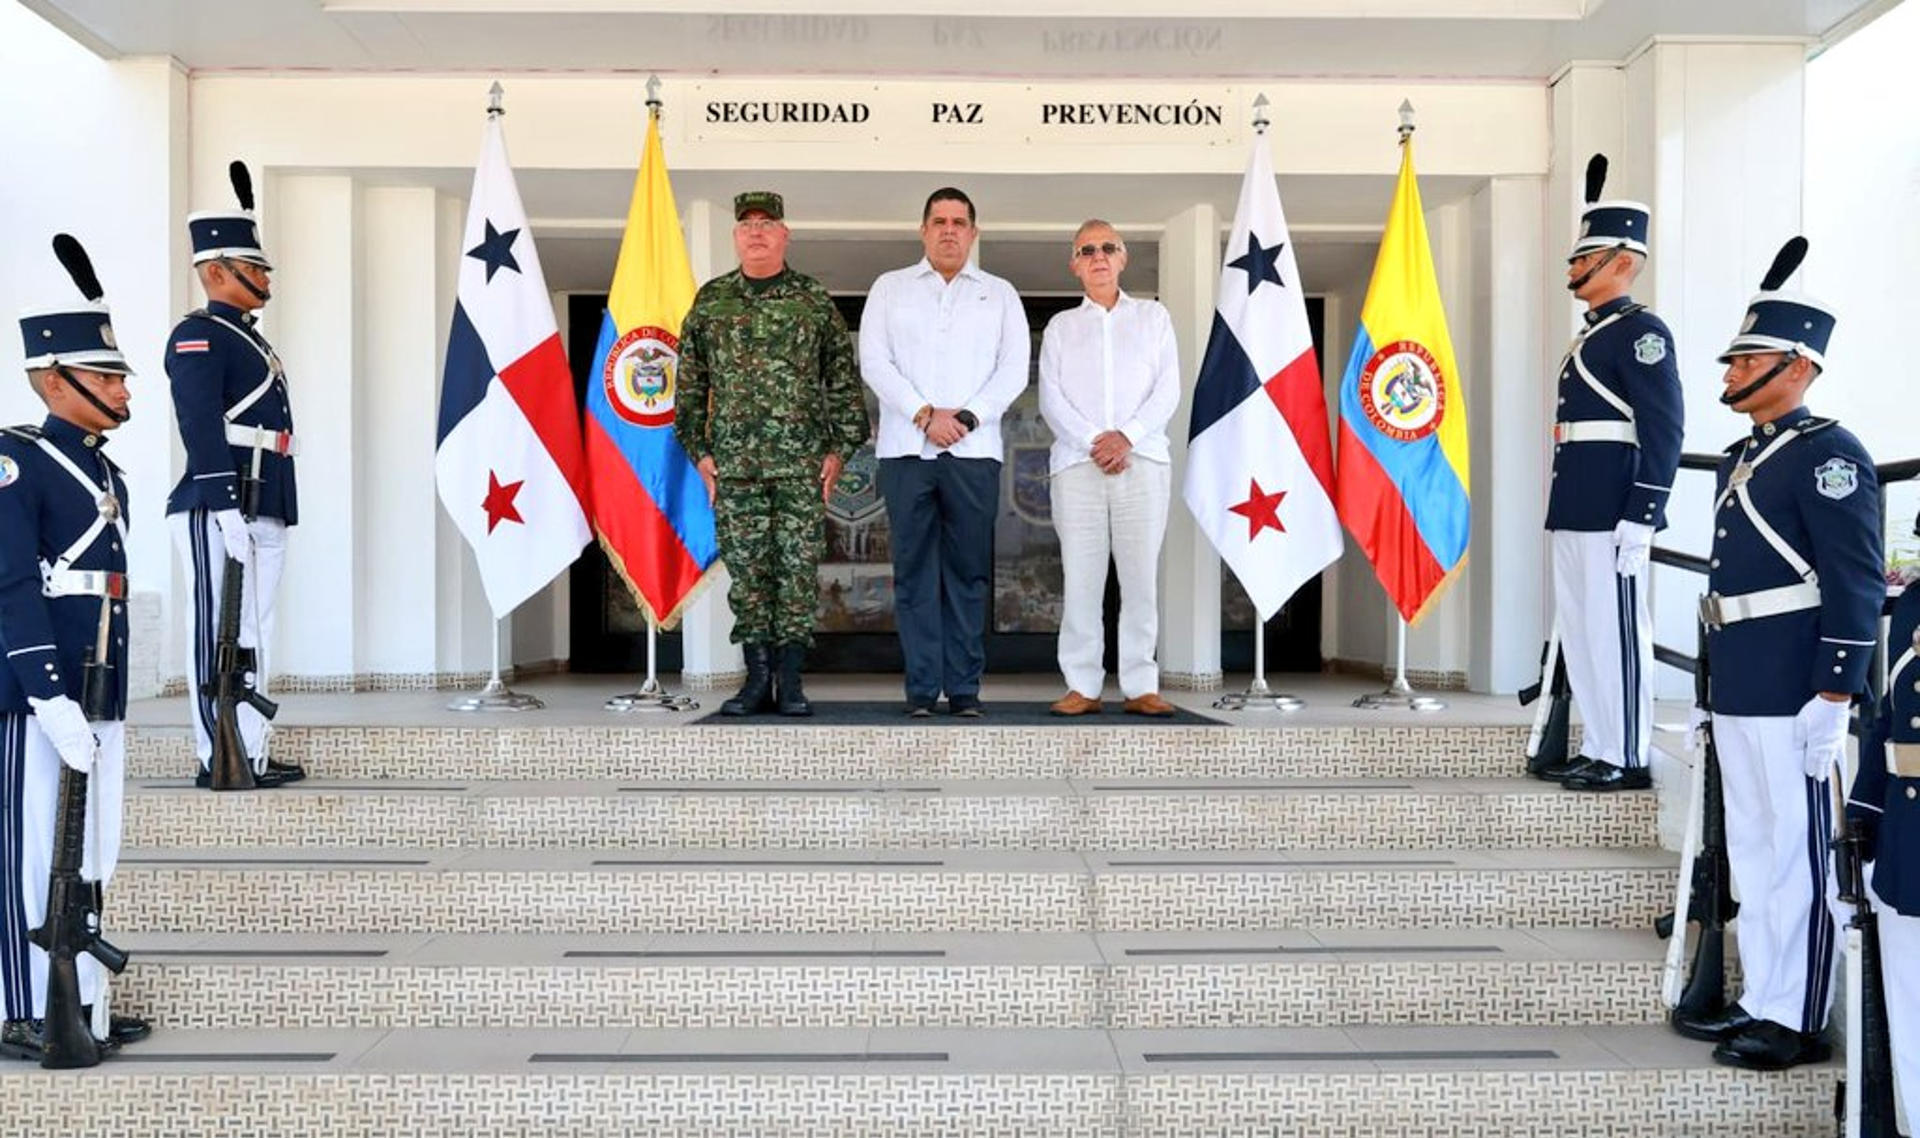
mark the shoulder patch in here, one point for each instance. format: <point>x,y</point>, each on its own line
<point>1836,478</point>
<point>9,471</point>
<point>1650,349</point>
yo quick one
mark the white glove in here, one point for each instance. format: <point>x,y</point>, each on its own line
<point>1698,720</point>
<point>66,728</point>
<point>1635,542</point>
<point>1823,723</point>
<point>233,534</point>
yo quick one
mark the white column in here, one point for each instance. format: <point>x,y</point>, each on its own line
<point>463,624</point>
<point>395,390</point>
<point>316,322</point>
<point>709,657</point>
<point>133,225</point>
<point>1499,344</point>
<point>1189,567</point>
<point>1718,130</point>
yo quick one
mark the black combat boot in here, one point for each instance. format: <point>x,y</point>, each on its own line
<point>756,695</point>
<point>793,698</point>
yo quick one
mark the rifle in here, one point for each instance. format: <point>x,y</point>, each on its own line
<point>72,925</point>
<point>1708,889</point>
<point>1551,735</point>
<point>228,686</point>
<point>1863,1103</point>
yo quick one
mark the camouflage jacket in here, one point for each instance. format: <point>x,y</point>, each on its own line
<point>768,382</point>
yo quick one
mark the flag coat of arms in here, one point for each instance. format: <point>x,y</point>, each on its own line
<point>508,463</point>
<point>648,503</point>
<point>1403,418</point>
<point>1259,455</point>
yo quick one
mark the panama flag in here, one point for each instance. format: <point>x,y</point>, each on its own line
<point>1403,418</point>
<point>508,463</point>
<point>1259,460</point>
<point>649,504</point>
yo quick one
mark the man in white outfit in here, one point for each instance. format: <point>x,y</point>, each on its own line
<point>1109,382</point>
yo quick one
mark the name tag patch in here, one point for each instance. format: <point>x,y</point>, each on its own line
<point>185,346</point>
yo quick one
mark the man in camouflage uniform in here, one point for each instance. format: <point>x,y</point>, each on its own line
<point>770,404</point>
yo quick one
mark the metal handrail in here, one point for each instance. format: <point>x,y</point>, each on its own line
<point>1888,473</point>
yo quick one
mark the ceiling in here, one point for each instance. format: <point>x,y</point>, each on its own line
<point>1163,39</point>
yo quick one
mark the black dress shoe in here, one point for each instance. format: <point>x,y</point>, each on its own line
<point>1607,777</point>
<point>288,772</point>
<point>20,1039</point>
<point>25,1039</point>
<point>1712,1029</point>
<point>122,1030</point>
<point>1564,769</point>
<point>1768,1046</point>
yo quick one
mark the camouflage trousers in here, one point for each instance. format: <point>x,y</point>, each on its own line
<point>772,532</point>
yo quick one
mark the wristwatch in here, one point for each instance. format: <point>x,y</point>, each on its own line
<point>967,419</point>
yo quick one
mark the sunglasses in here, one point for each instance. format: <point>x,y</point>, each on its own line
<point>1110,248</point>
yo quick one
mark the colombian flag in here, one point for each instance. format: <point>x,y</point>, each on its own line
<point>648,503</point>
<point>1401,488</point>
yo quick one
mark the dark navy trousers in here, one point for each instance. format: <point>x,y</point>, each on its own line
<point>941,512</point>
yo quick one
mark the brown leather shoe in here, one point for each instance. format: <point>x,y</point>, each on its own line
<point>1073,703</point>
<point>1149,704</point>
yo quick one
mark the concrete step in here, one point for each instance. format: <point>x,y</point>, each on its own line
<point>1597,1082</point>
<point>944,752</point>
<point>1053,814</point>
<point>1280,978</point>
<point>680,890</point>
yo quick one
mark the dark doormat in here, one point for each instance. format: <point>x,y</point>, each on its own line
<point>893,713</point>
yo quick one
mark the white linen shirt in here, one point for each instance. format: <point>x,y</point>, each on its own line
<point>1109,370</point>
<point>929,342</point>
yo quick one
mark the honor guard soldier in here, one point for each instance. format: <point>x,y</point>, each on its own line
<point>63,589</point>
<point>1885,807</point>
<point>236,422</point>
<point>1616,446</point>
<point>1792,614</point>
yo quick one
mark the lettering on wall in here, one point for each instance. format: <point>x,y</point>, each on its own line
<point>780,113</point>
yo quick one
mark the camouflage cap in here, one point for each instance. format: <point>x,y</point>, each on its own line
<point>766,201</point>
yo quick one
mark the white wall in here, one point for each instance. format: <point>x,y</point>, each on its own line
<point>110,168</point>
<point>1863,226</point>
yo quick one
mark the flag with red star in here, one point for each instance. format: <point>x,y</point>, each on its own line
<point>1259,451</point>
<point>509,464</point>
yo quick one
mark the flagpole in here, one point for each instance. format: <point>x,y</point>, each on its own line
<point>1258,696</point>
<point>1399,695</point>
<point>496,695</point>
<point>651,696</point>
